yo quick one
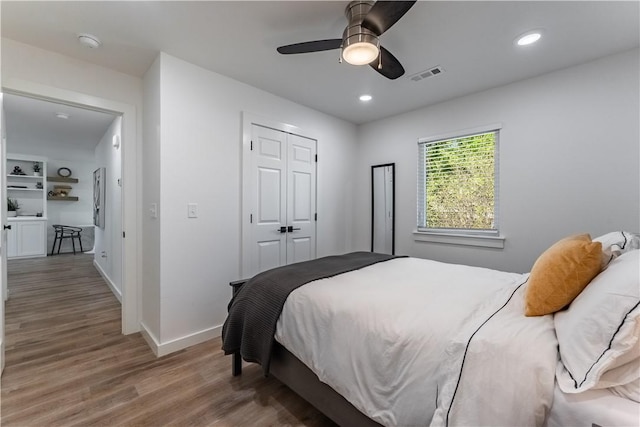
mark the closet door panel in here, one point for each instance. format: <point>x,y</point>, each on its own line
<point>301,199</point>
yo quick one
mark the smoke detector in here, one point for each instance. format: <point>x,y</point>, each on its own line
<point>434,71</point>
<point>89,40</point>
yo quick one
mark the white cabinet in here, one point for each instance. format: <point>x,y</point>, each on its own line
<point>27,185</point>
<point>26,238</point>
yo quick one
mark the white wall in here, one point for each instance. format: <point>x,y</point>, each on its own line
<point>82,164</point>
<point>151,226</point>
<point>200,134</point>
<point>72,213</point>
<point>108,250</point>
<point>28,63</point>
<point>569,160</point>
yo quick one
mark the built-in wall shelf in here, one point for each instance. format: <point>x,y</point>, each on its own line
<point>26,185</point>
<point>62,179</point>
<point>11,175</point>
<point>63,198</point>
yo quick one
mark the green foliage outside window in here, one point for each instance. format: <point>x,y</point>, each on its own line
<point>460,180</point>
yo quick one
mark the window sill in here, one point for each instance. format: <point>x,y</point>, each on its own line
<point>460,239</point>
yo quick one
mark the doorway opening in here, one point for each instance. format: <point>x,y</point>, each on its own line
<point>52,154</point>
<point>129,183</point>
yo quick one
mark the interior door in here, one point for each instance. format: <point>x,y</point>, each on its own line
<point>269,152</point>
<point>301,200</point>
<point>282,195</point>
<point>3,221</point>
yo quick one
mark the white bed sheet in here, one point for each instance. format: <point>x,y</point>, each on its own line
<point>416,307</point>
<point>599,407</point>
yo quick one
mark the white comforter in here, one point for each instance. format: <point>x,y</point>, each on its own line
<point>416,342</point>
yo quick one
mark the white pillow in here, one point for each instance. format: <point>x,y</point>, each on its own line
<point>599,332</point>
<point>616,243</point>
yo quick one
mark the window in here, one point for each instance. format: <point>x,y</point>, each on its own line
<point>458,183</point>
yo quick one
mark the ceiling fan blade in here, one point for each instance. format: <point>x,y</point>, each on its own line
<point>383,14</point>
<point>391,67</point>
<point>314,46</point>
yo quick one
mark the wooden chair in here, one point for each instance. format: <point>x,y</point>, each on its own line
<point>66,232</point>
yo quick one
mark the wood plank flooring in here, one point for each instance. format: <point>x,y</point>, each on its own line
<point>67,364</point>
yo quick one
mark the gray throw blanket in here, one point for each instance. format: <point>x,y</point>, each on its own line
<point>253,313</point>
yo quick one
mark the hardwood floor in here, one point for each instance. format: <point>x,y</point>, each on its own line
<point>67,363</point>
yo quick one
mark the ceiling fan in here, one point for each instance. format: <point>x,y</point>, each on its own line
<point>360,45</point>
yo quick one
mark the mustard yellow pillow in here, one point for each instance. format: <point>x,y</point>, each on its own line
<point>561,273</point>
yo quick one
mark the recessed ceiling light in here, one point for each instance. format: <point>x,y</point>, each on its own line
<point>89,40</point>
<point>64,116</point>
<point>365,98</point>
<point>529,37</point>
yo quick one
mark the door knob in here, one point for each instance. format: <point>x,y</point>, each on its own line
<point>7,227</point>
<point>290,229</point>
<point>282,229</point>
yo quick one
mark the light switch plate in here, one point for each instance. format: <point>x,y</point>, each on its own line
<point>153,210</point>
<point>192,210</point>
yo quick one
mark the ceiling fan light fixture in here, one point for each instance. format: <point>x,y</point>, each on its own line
<point>360,53</point>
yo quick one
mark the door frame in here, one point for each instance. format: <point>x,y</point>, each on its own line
<point>3,222</point>
<point>130,160</point>
<point>248,120</point>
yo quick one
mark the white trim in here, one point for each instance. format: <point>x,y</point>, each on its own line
<point>108,280</point>
<point>461,133</point>
<point>162,349</point>
<point>460,239</point>
<point>131,258</point>
<point>149,338</point>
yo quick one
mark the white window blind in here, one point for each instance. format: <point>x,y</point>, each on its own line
<point>458,183</point>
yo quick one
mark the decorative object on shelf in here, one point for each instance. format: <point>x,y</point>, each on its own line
<point>12,207</point>
<point>98,197</point>
<point>37,169</point>
<point>39,185</point>
<point>51,194</point>
<point>17,170</point>
<point>64,172</point>
<point>17,187</point>
<point>61,190</point>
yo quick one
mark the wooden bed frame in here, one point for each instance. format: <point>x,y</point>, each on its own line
<point>289,370</point>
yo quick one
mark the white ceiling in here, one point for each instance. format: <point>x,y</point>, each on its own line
<point>472,41</point>
<point>34,121</point>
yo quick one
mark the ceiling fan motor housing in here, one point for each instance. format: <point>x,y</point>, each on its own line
<point>355,33</point>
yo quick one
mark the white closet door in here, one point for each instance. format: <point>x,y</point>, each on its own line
<point>301,199</point>
<point>282,199</point>
<point>269,164</point>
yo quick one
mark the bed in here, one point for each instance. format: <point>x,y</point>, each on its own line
<point>378,340</point>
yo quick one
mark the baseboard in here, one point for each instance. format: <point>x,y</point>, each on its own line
<point>162,349</point>
<point>106,278</point>
<point>149,338</point>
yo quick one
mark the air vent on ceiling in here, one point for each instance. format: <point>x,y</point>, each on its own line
<point>426,73</point>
